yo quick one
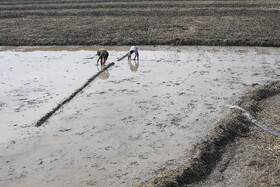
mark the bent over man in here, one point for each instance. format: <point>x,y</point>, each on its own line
<point>103,56</point>
<point>134,50</point>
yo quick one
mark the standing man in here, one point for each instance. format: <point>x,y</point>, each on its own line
<point>134,50</point>
<point>103,56</point>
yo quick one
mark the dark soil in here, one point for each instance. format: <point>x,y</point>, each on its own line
<point>127,22</point>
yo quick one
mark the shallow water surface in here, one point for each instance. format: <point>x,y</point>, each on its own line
<point>130,123</point>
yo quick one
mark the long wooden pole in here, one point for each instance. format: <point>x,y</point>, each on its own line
<point>49,114</point>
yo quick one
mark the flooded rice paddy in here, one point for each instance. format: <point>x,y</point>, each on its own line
<point>135,120</point>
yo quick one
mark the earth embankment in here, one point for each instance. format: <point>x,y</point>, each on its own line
<point>235,153</point>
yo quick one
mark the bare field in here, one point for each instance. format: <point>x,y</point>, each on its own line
<point>124,22</point>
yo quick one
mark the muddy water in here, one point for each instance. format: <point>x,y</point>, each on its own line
<point>135,120</point>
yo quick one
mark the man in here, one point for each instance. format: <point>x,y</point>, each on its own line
<point>134,50</point>
<point>103,56</point>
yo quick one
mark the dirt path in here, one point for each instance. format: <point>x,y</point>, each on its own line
<point>124,22</point>
<point>252,160</point>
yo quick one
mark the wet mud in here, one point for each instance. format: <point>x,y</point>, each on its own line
<point>122,22</point>
<point>134,121</point>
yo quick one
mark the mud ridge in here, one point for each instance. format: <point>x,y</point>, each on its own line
<point>209,151</point>
<point>68,99</point>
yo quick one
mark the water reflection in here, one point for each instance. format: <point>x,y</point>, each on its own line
<point>105,74</point>
<point>133,65</point>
